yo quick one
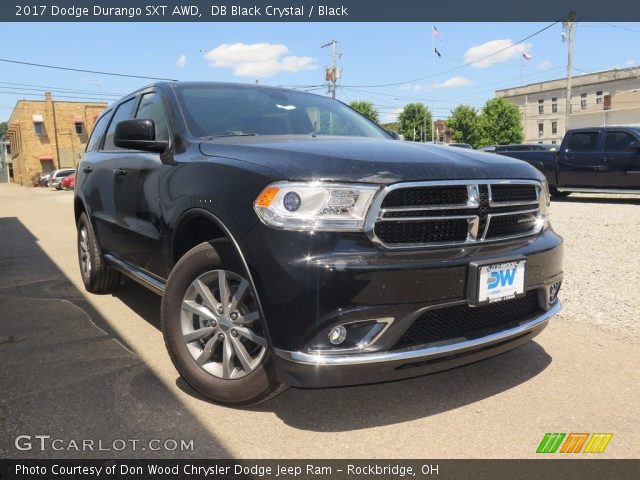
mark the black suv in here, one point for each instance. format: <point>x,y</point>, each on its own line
<point>294,242</point>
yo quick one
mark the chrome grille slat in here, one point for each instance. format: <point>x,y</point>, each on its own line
<point>509,198</point>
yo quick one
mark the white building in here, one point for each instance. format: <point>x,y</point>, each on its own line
<point>611,97</point>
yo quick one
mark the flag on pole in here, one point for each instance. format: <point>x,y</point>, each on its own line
<point>527,56</point>
<point>435,50</point>
<point>435,33</point>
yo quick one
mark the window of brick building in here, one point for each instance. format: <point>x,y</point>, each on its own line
<point>38,128</point>
<point>540,129</point>
<point>583,101</point>
<point>540,107</point>
<point>554,127</point>
<point>554,105</point>
<point>79,128</point>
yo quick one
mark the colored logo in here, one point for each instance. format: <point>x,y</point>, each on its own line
<point>573,442</point>
<point>501,278</point>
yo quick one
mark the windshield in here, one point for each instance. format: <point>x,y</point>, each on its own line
<point>229,110</point>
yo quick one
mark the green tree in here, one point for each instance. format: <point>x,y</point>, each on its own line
<point>500,123</point>
<point>3,128</point>
<point>366,108</point>
<point>413,119</point>
<point>464,122</point>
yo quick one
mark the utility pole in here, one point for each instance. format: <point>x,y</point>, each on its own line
<point>333,73</point>
<point>433,85</point>
<point>569,27</point>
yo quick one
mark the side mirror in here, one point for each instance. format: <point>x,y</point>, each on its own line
<point>138,134</point>
<point>634,146</point>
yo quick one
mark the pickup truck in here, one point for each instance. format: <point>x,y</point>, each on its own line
<point>296,243</point>
<point>591,160</point>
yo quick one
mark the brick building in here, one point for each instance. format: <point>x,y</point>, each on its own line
<point>48,134</point>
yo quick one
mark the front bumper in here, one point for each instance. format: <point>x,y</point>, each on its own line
<point>300,369</point>
<point>308,284</point>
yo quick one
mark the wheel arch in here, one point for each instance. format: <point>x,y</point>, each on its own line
<point>199,214</point>
<point>78,208</point>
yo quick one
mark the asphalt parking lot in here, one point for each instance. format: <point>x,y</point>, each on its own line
<point>77,366</point>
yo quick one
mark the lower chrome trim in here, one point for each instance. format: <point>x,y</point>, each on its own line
<point>597,190</point>
<point>418,353</point>
<point>135,274</point>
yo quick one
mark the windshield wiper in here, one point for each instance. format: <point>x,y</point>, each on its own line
<point>239,134</point>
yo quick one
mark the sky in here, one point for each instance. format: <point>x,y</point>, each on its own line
<point>290,54</point>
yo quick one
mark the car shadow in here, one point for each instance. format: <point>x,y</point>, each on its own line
<point>67,373</point>
<point>368,406</point>
<point>141,300</point>
<point>341,409</point>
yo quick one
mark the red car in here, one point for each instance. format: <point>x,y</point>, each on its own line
<point>69,183</point>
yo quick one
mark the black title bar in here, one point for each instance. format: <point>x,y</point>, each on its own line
<point>565,468</point>
<point>316,11</point>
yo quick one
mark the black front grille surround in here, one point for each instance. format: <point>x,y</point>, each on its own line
<point>423,214</point>
<point>463,322</point>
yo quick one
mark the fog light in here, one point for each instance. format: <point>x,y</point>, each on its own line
<point>553,292</point>
<point>337,335</point>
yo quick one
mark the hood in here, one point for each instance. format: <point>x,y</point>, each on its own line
<point>352,159</point>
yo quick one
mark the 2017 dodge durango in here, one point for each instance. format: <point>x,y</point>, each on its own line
<point>294,242</point>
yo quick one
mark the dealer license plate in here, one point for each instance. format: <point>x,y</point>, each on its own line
<point>501,281</point>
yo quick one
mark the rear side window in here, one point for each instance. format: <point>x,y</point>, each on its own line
<point>151,108</point>
<point>583,141</point>
<point>618,141</point>
<point>98,131</point>
<point>124,112</point>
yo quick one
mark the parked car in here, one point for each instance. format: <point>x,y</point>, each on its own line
<point>57,175</point>
<point>525,147</point>
<point>42,180</point>
<point>69,182</point>
<point>592,160</point>
<point>295,242</point>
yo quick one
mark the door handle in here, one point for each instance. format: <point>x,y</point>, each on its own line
<point>119,172</point>
<point>87,169</point>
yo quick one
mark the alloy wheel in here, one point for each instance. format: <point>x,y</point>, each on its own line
<point>220,325</point>
<point>85,255</point>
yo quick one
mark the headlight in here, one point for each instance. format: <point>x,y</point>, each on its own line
<point>315,206</point>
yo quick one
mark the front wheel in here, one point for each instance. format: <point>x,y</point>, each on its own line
<point>213,329</point>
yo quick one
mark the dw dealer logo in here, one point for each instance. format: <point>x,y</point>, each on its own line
<point>501,278</point>
<point>574,442</point>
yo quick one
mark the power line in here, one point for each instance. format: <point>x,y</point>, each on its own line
<point>63,89</point>
<point>29,90</point>
<point>57,67</point>
<point>464,65</point>
<point>622,27</point>
<point>29,94</point>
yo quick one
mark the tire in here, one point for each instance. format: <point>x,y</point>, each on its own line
<point>557,194</point>
<point>96,275</point>
<point>202,331</point>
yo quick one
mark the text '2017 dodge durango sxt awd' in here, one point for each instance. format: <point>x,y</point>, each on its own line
<point>294,242</point>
